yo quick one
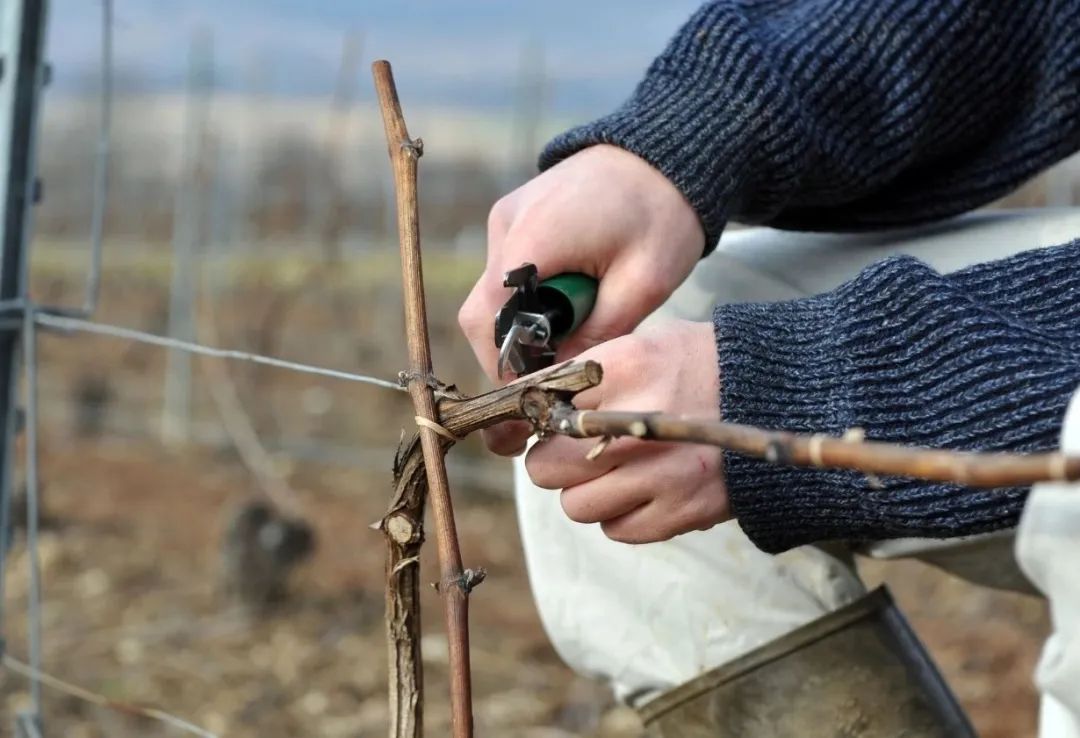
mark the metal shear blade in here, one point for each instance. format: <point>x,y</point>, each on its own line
<point>525,347</point>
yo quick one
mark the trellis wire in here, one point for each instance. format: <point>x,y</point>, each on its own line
<point>65,323</point>
<point>32,318</point>
<point>30,722</point>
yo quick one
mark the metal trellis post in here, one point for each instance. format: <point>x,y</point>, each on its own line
<point>187,231</point>
<point>23,73</point>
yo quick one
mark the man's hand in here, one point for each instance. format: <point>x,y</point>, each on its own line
<point>602,212</point>
<point>643,491</point>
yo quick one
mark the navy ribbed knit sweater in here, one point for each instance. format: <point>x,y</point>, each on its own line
<point>856,114</point>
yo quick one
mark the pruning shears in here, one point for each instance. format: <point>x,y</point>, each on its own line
<point>538,316</point>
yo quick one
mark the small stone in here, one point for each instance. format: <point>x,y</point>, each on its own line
<point>215,722</point>
<point>620,722</point>
<point>314,703</point>
<point>129,651</point>
<point>93,583</point>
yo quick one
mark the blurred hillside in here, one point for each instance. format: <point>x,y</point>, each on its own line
<point>292,171</point>
<point>275,169</point>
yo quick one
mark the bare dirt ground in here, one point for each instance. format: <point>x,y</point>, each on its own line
<point>131,558</point>
<point>132,609</point>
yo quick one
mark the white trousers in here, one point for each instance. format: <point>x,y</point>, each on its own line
<point>648,618</point>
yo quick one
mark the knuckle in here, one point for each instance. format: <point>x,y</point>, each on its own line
<point>629,358</point>
<point>542,474</point>
<point>501,216</point>
<point>466,317</point>
<point>471,316</point>
<point>668,526</point>
<point>524,240</point>
<point>645,285</point>
<point>652,293</point>
<point>614,326</point>
<point>695,513</point>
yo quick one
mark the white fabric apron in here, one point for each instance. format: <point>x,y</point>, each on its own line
<point>648,618</point>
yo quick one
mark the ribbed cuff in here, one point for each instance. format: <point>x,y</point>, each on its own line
<point>781,369</point>
<point>901,353</point>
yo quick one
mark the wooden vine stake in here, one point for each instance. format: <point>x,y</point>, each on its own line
<point>454,582</point>
<point>420,462</point>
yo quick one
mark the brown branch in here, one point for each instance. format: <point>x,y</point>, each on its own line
<point>851,452</point>
<point>455,582</point>
<point>239,426</point>
<point>406,719</point>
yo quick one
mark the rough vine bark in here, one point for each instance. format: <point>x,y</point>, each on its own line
<point>402,522</point>
<point>851,451</point>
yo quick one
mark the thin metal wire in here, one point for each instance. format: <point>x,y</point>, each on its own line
<point>33,554</point>
<point>103,329</point>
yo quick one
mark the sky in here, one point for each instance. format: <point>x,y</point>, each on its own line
<point>457,52</point>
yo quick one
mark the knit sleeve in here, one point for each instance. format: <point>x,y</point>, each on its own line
<point>981,359</point>
<point>852,114</point>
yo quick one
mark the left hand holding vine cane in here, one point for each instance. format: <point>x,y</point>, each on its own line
<point>643,491</point>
